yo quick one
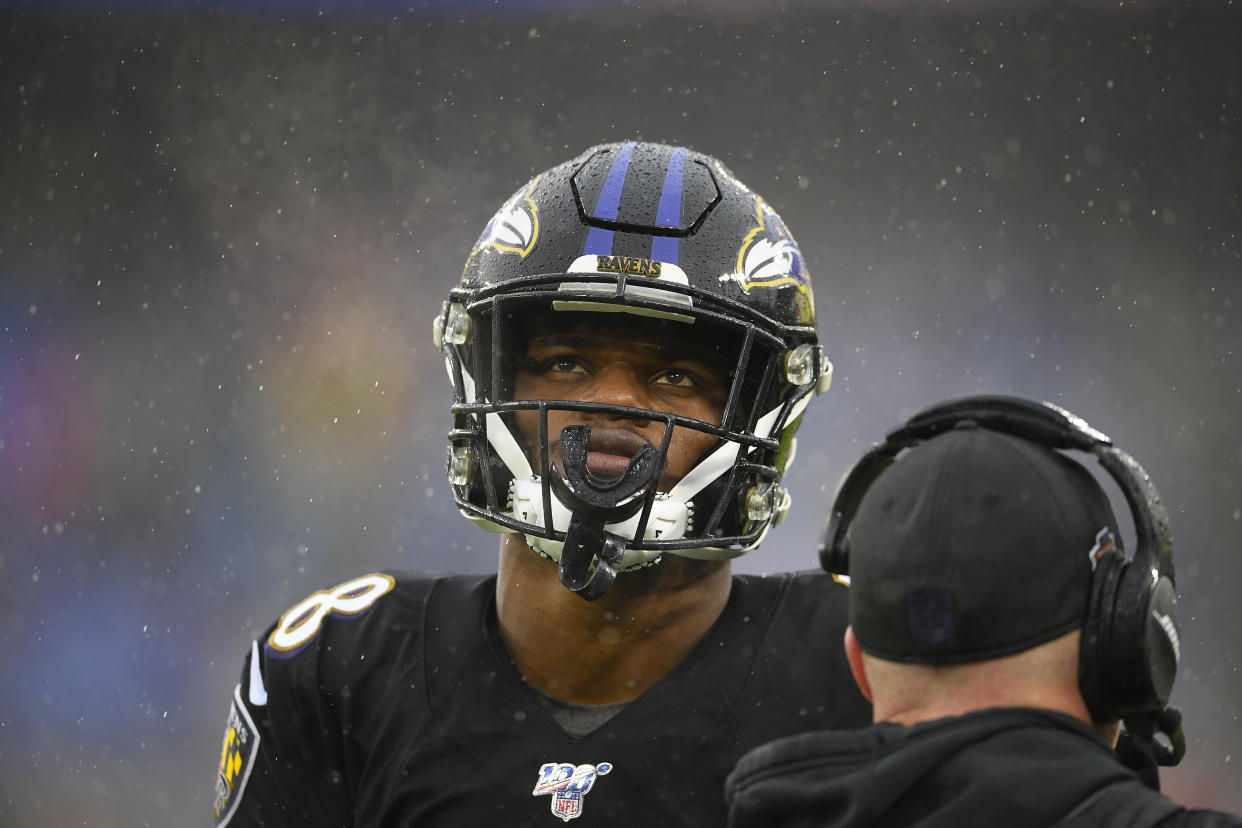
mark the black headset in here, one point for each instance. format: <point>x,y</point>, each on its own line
<point>1130,640</point>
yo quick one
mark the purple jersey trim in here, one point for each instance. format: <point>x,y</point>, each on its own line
<point>664,248</point>
<point>599,240</point>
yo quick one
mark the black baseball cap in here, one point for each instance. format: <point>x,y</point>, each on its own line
<point>974,545</point>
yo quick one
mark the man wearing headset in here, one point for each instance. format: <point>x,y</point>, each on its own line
<point>999,632</point>
<point>631,348</point>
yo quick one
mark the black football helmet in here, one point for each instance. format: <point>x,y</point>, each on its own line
<point>658,232</point>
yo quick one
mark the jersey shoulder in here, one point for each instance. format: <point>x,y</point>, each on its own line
<point>811,597</point>
<point>326,681</point>
<point>336,636</point>
<point>358,615</point>
<point>801,677</point>
<point>340,612</point>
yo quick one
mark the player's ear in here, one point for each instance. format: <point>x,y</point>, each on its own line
<point>853,653</point>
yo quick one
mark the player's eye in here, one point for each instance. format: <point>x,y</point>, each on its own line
<point>563,364</point>
<point>677,377</point>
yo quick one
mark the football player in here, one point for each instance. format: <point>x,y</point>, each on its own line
<point>631,348</point>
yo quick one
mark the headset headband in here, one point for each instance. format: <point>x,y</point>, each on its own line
<point>1041,423</point>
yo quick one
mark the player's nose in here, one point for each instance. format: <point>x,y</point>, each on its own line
<point>618,383</point>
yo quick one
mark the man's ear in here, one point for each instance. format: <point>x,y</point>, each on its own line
<point>854,654</point>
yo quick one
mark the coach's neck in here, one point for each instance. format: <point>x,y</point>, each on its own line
<point>1044,677</point>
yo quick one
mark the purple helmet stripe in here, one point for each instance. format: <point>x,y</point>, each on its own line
<point>664,248</point>
<point>599,240</point>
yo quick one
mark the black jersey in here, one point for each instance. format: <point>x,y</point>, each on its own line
<point>390,701</point>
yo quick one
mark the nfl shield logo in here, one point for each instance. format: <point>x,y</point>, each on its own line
<point>566,805</point>
<point>931,616</point>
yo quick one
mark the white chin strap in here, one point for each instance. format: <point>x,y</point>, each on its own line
<point>672,512</point>
<point>668,521</point>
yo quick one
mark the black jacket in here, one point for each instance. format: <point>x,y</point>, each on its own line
<point>1009,767</point>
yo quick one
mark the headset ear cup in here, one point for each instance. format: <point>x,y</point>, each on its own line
<point>1146,652</point>
<point>1130,644</point>
<point>1127,670</point>
<point>1162,646</point>
<point>1094,664</point>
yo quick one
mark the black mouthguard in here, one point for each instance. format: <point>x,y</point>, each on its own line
<point>596,501</point>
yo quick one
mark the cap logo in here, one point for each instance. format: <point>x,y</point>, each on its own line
<point>568,784</point>
<point>1105,541</point>
<point>931,616</point>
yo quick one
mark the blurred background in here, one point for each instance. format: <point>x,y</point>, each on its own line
<point>225,229</point>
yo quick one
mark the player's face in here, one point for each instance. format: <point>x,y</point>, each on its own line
<point>606,359</point>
